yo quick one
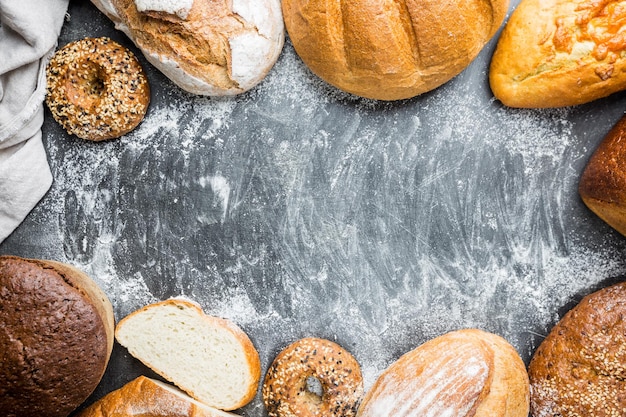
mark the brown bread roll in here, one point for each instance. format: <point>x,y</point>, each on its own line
<point>465,373</point>
<point>556,53</point>
<point>390,50</point>
<point>579,368</point>
<point>56,337</point>
<point>602,185</point>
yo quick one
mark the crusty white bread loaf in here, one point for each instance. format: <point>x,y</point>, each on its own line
<point>557,53</point>
<point>56,337</point>
<point>602,185</point>
<point>388,49</point>
<point>210,358</point>
<point>465,373</point>
<point>207,47</point>
<point>147,397</point>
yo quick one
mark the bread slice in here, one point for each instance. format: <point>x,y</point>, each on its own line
<point>602,185</point>
<point>463,373</point>
<point>145,396</point>
<point>210,358</point>
<point>557,53</point>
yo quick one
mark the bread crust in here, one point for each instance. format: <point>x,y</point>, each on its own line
<point>390,50</point>
<point>462,373</point>
<point>579,368</point>
<point>221,48</point>
<point>56,337</point>
<point>547,56</point>
<point>248,387</point>
<point>146,397</point>
<point>602,185</point>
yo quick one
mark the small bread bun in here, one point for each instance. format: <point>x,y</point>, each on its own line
<point>579,368</point>
<point>559,53</point>
<point>602,185</point>
<point>387,49</point>
<point>206,47</point>
<point>463,373</point>
<point>147,397</point>
<point>210,358</point>
<point>56,337</point>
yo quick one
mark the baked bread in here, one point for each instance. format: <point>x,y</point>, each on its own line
<point>602,185</point>
<point>208,357</point>
<point>390,50</point>
<point>580,367</point>
<point>147,397</point>
<point>465,373</point>
<point>206,47</point>
<point>56,337</point>
<point>557,53</point>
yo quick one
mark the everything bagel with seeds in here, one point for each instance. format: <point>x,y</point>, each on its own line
<point>313,377</point>
<point>96,89</point>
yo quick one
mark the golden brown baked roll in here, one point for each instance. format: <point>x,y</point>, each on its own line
<point>580,367</point>
<point>602,185</point>
<point>387,49</point>
<point>556,53</point>
<point>56,337</point>
<point>465,373</point>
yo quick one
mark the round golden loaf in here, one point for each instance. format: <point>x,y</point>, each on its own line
<point>390,50</point>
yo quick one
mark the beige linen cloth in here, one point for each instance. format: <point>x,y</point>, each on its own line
<point>28,36</point>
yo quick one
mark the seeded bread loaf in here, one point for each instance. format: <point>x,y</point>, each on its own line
<point>579,368</point>
<point>387,49</point>
<point>147,397</point>
<point>207,47</point>
<point>556,53</point>
<point>210,358</point>
<point>56,337</point>
<point>465,373</point>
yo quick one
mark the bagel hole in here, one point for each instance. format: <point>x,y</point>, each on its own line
<point>86,84</point>
<point>314,387</point>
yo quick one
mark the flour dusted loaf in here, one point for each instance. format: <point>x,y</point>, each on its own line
<point>56,337</point>
<point>557,53</point>
<point>210,358</point>
<point>207,47</point>
<point>387,49</point>
<point>465,373</point>
<point>147,397</point>
<point>602,185</point>
<point>580,367</point>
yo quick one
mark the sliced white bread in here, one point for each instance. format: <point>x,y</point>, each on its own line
<point>143,397</point>
<point>210,358</point>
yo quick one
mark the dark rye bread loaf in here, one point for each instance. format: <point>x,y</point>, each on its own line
<point>56,337</point>
<point>580,367</point>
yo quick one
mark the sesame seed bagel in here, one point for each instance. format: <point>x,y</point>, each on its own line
<point>580,367</point>
<point>96,89</point>
<point>313,377</point>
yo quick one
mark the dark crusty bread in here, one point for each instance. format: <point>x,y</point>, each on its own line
<point>388,49</point>
<point>580,367</point>
<point>602,185</point>
<point>556,53</point>
<point>465,373</point>
<point>56,337</point>
<point>146,397</point>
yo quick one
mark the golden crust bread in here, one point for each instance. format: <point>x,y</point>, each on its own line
<point>557,53</point>
<point>469,373</point>
<point>602,185</point>
<point>208,357</point>
<point>146,397</point>
<point>390,50</point>
<point>579,368</point>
